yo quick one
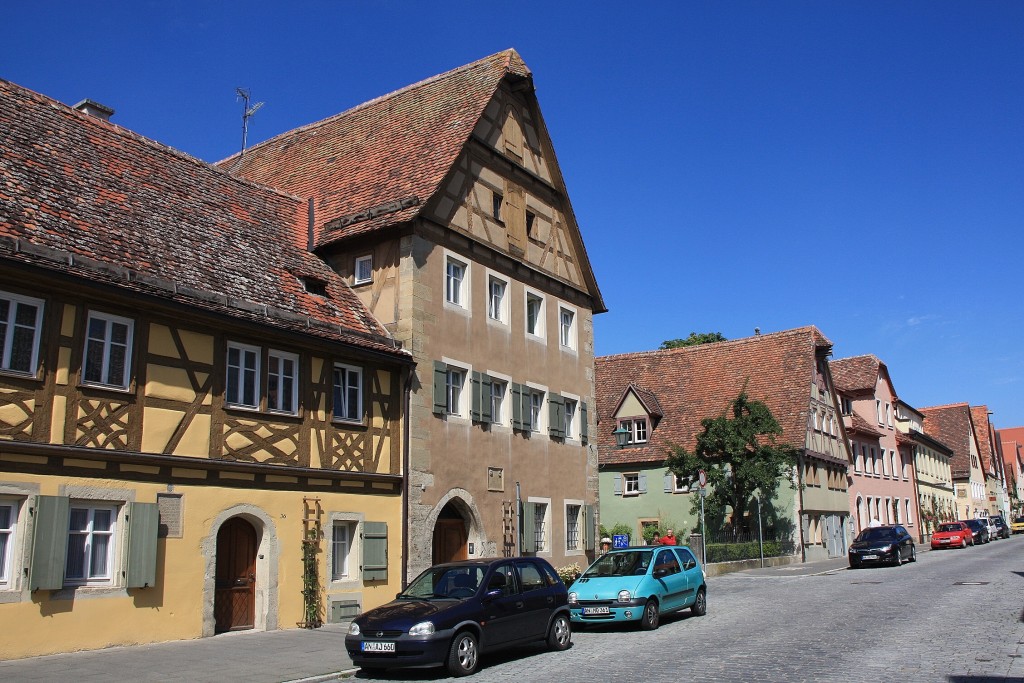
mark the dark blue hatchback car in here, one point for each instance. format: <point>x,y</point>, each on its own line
<point>452,613</point>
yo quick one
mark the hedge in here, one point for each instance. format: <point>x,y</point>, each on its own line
<point>731,552</point>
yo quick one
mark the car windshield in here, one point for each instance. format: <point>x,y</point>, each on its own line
<point>950,527</point>
<point>974,524</point>
<point>872,535</point>
<point>625,563</point>
<point>1019,520</point>
<point>445,583</point>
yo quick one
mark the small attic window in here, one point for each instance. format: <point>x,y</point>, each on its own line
<point>529,223</point>
<point>314,286</point>
<point>496,201</point>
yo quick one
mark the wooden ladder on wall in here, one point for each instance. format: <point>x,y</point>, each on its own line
<point>312,533</point>
<point>508,521</point>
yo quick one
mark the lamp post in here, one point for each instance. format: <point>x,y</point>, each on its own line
<point>760,533</point>
<point>621,436</point>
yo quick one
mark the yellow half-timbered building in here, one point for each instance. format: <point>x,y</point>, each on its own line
<point>200,424</point>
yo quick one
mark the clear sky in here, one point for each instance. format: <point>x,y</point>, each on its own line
<point>856,166</point>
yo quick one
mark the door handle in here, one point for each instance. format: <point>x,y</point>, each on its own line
<point>519,605</point>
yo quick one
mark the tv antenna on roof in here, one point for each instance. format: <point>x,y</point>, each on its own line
<point>247,112</point>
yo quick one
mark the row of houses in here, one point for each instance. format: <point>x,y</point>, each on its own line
<point>863,455</point>
<point>264,393</point>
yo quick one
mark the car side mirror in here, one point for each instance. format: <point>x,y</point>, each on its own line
<point>660,572</point>
<point>493,594</point>
<point>689,564</point>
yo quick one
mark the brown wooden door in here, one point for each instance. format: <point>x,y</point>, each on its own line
<point>450,541</point>
<point>234,602</point>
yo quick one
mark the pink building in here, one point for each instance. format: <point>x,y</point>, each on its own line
<point>881,476</point>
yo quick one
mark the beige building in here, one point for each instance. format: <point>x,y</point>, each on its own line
<point>953,426</point>
<point>443,206</point>
<point>936,497</point>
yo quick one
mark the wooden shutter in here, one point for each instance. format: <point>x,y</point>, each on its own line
<point>481,397</point>
<point>528,540</point>
<point>440,388</point>
<point>49,542</point>
<point>589,525</point>
<point>517,406</point>
<point>143,524</point>
<point>556,415</point>
<point>584,432</point>
<point>514,215</point>
<point>617,484</point>
<point>643,483</point>
<point>476,409</point>
<point>375,551</point>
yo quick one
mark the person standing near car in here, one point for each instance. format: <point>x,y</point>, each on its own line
<point>669,538</point>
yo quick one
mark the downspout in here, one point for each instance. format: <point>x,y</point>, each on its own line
<point>406,431</point>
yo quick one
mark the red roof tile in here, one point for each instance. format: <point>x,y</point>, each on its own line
<point>858,424</point>
<point>695,382</point>
<point>94,200</point>
<point>979,415</point>
<point>951,424</point>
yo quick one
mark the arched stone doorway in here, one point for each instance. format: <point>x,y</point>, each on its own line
<point>234,600</point>
<point>451,535</point>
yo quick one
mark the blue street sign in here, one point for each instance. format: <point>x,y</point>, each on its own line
<point>620,541</point>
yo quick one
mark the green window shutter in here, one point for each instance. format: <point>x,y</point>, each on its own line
<point>517,406</point>
<point>49,542</point>
<point>440,388</point>
<point>583,423</point>
<point>556,415</point>
<point>476,411</point>
<point>485,398</point>
<point>617,484</point>
<point>643,483</point>
<point>668,482</point>
<point>588,527</point>
<point>375,551</point>
<point>143,523</point>
<point>528,543</point>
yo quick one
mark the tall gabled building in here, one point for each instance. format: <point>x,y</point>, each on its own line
<point>953,425</point>
<point>991,462</point>
<point>443,206</point>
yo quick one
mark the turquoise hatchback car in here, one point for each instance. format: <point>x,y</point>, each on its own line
<point>639,584</point>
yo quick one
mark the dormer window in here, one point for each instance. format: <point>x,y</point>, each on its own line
<point>496,201</point>
<point>636,428</point>
<point>363,270</point>
<point>314,286</point>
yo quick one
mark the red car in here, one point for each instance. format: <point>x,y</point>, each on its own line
<point>952,535</point>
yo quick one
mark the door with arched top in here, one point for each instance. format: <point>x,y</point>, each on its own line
<point>234,602</point>
<point>450,536</point>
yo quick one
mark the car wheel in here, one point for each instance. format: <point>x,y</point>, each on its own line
<point>897,558</point>
<point>649,619</point>
<point>700,604</point>
<point>963,543</point>
<point>854,564</point>
<point>913,553</point>
<point>464,654</point>
<point>560,634</point>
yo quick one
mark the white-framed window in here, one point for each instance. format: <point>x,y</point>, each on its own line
<point>631,484</point>
<point>895,464</point>
<point>910,512</point>
<point>21,321</point>
<point>846,405</point>
<point>888,415</point>
<point>680,484</point>
<point>108,350</point>
<point>567,327</point>
<point>497,299</point>
<point>91,540</point>
<point>282,382</point>
<point>455,382</point>
<point>456,282</point>
<point>534,314</point>
<point>540,527</point>
<point>888,510</point>
<point>569,416</point>
<point>242,389</point>
<point>885,462</point>
<point>499,410</point>
<point>363,271</point>
<point>878,411</point>
<point>341,547</point>
<point>536,409</point>
<point>637,428</point>
<point>348,393</point>
<point>896,510</point>
<point>497,201</point>
<point>8,527</point>
<point>858,459</point>
<point>573,525</point>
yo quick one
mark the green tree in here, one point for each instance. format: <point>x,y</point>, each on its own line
<point>694,339</point>
<point>740,456</point>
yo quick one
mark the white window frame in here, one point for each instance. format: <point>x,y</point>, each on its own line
<point>109,321</point>
<point>498,314</point>
<point>632,424</point>
<point>456,291</point>
<point>538,333</point>
<point>465,395</point>
<point>910,512</point>
<point>112,553</point>
<point>241,370</point>
<point>578,504</point>
<point>571,423</point>
<point>538,408</point>
<point>545,526</point>
<point>353,579</point>
<point>858,460</point>
<point>340,570</point>
<point>281,357</point>
<point>888,415</point>
<point>878,411</point>
<point>503,416</point>
<point>348,372</point>
<point>567,335</point>
<point>8,542</point>
<point>10,326</point>
<point>678,485</point>
<point>358,275</point>
<point>626,489</point>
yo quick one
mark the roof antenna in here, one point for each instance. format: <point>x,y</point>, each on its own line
<point>247,112</point>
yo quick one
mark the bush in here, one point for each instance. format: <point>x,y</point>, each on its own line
<point>732,552</point>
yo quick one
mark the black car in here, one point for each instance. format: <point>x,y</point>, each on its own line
<point>979,529</point>
<point>454,612</point>
<point>1002,530</point>
<point>886,544</point>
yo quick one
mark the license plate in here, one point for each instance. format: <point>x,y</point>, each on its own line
<point>943,540</point>
<point>869,557</point>
<point>373,646</point>
<point>596,610</point>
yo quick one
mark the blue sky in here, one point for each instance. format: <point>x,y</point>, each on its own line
<point>856,166</point>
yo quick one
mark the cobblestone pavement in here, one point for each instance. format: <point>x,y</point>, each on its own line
<point>911,623</point>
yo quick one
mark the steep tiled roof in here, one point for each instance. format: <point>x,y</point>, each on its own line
<point>395,147</point>
<point>855,374</point>
<point>695,382</point>
<point>982,431</point>
<point>647,398</point>
<point>951,424</point>
<point>94,200</point>
<point>861,426</point>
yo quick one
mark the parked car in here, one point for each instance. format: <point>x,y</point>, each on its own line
<point>1017,525</point>
<point>952,535</point>
<point>886,544</point>
<point>993,533</point>
<point>641,585</point>
<point>453,613</point>
<point>979,529</point>
<point>1002,531</point>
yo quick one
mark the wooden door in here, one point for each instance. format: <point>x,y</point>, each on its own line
<point>450,541</point>
<point>234,602</point>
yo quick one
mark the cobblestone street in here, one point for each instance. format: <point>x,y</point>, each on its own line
<point>908,623</point>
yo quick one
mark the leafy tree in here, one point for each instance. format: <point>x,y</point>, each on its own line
<point>739,454</point>
<point>694,339</point>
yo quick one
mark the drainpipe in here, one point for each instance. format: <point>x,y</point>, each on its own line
<point>406,400</point>
<point>519,519</point>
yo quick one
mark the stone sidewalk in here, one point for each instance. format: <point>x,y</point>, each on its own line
<point>246,657</point>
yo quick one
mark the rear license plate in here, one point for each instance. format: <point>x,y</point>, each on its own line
<point>596,610</point>
<point>373,646</point>
<point>869,557</point>
<point>943,540</point>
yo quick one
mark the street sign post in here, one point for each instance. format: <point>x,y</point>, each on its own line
<point>702,478</point>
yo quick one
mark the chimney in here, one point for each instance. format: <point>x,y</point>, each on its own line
<point>95,109</point>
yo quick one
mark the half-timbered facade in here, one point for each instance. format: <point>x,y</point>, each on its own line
<point>443,206</point>
<point>200,424</point>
